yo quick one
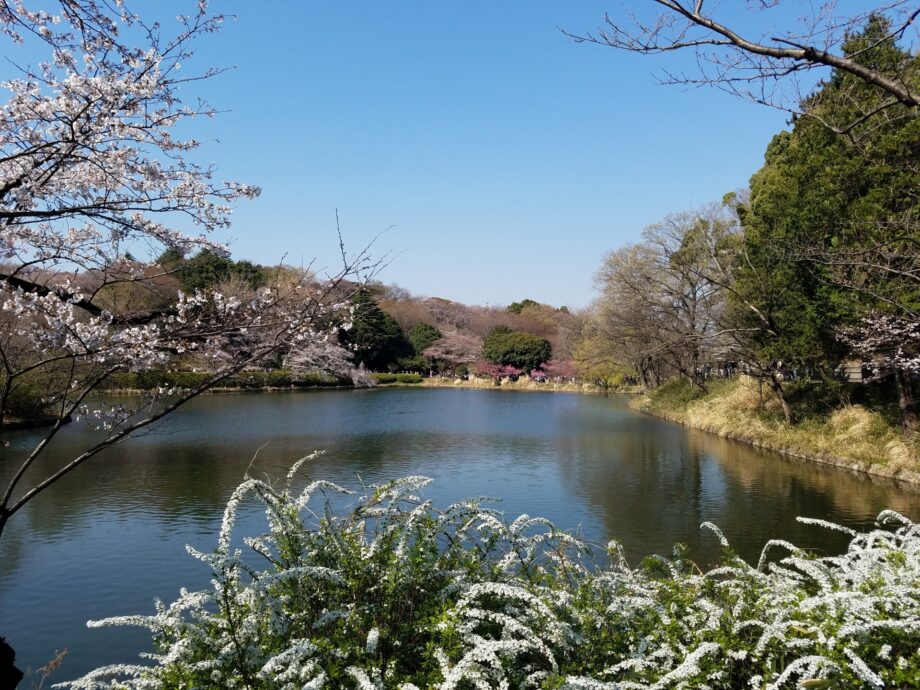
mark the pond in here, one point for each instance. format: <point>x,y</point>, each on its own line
<point>111,537</point>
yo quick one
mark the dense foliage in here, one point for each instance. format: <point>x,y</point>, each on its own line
<point>207,269</point>
<point>514,348</point>
<point>374,336</point>
<point>518,307</point>
<point>423,335</point>
<point>814,271</point>
<point>391,592</point>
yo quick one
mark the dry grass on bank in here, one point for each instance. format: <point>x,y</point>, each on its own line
<point>850,435</point>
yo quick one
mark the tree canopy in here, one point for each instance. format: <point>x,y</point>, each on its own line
<point>422,336</point>
<point>374,336</point>
<point>514,348</point>
<point>830,230</point>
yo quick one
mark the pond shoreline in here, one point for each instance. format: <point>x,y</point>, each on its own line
<point>434,382</point>
<point>639,404</point>
<point>528,386</point>
<point>900,476</point>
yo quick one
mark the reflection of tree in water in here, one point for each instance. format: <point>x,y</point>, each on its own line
<point>851,493</point>
<point>163,480</point>
<point>647,499</point>
<point>173,479</point>
<point>650,483</point>
<point>655,482</point>
<point>15,547</point>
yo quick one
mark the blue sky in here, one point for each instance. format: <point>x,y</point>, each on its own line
<point>506,158</point>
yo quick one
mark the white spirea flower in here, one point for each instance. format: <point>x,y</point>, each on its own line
<point>373,638</point>
<point>479,602</point>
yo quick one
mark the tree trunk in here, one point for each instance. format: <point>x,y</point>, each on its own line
<point>4,397</point>
<point>643,368</point>
<point>906,402</point>
<point>656,374</point>
<point>697,381</point>
<point>777,388</point>
<point>643,377</point>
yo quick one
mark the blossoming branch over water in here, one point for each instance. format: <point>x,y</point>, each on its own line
<point>384,590</point>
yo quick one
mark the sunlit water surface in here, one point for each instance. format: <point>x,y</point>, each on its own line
<point>111,537</point>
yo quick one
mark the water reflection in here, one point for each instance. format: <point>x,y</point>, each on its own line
<point>110,537</point>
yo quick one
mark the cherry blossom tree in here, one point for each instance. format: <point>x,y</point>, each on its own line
<point>496,372</point>
<point>455,349</point>
<point>555,370</point>
<point>891,345</point>
<point>323,355</point>
<point>93,168</point>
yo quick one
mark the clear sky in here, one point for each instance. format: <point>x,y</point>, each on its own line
<point>506,158</point>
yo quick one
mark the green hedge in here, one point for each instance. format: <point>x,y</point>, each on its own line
<point>247,380</point>
<point>397,378</point>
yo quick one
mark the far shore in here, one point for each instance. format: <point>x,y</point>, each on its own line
<point>733,427</point>
<point>522,384</point>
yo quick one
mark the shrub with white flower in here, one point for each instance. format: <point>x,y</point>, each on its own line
<point>391,592</point>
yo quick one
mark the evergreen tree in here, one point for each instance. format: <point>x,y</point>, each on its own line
<point>375,337</point>
<point>830,235</point>
<point>514,348</point>
<point>422,336</point>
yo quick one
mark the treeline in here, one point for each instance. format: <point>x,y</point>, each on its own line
<point>809,281</point>
<point>373,327</point>
<point>391,330</point>
<point>130,298</point>
<point>386,329</point>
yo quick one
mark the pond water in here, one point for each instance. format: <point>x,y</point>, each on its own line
<point>111,537</point>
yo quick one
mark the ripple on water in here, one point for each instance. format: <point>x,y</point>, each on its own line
<point>111,537</point>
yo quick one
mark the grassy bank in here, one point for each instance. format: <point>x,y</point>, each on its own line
<point>850,436</point>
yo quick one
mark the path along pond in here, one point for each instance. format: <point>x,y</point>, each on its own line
<point>111,537</point>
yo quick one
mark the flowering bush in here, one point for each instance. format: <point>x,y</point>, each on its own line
<point>554,370</point>
<point>394,593</point>
<point>496,372</point>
